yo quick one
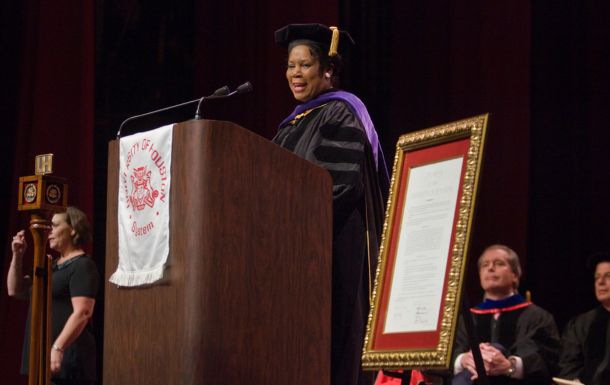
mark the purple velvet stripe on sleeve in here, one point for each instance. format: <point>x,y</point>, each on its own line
<point>355,105</point>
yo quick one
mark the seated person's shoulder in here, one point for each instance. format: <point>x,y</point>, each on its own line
<point>535,316</point>
<point>538,311</point>
<point>584,320</point>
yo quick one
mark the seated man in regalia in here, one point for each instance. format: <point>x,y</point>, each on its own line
<point>519,340</point>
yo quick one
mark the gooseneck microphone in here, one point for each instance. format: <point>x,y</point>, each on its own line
<point>221,91</point>
<point>242,89</point>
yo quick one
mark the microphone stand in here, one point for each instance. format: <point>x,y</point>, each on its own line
<point>218,93</point>
<point>222,92</point>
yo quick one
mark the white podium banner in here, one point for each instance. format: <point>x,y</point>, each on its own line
<point>143,207</point>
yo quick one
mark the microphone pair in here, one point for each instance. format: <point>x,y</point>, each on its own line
<point>222,92</point>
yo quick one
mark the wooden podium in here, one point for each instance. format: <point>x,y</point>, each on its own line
<point>246,294</point>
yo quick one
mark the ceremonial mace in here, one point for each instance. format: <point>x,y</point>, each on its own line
<point>42,195</point>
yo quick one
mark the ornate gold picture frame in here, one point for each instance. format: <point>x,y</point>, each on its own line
<point>420,271</point>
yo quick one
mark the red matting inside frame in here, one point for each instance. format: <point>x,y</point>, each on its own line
<point>421,157</point>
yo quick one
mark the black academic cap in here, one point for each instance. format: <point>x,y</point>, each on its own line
<point>594,259</point>
<point>315,32</point>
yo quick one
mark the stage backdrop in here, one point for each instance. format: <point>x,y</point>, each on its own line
<point>50,94</point>
<point>539,68</point>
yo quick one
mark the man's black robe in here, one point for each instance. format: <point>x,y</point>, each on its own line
<point>527,331</point>
<point>586,348</point>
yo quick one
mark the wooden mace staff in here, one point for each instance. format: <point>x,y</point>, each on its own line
<point>43,195</point>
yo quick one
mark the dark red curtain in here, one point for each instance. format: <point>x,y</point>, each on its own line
<point>50,94</point>
<point>569,214</point>
<point>461,59</point>
<point>234,42</point>
<point>539,68</point>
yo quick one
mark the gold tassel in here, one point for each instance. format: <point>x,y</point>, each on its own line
<point>334,42</point>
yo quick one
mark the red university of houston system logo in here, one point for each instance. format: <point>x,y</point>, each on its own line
<point>147,174</point>
<point>142,193</point>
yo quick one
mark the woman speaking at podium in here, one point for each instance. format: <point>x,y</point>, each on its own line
<point>75,285</point>
<point>332,129</point>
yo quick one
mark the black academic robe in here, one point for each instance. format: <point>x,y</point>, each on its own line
<point>528,332</point>
<point>586,348</point>
<point>332,137</point>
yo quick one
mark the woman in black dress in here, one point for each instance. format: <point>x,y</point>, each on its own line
<point>75,285</point>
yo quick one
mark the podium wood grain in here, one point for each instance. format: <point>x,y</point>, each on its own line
<point>246,297</point>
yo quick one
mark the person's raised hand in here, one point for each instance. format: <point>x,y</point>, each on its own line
<point>19,245</point>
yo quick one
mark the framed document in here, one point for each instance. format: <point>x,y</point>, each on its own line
<point>420,271</point>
